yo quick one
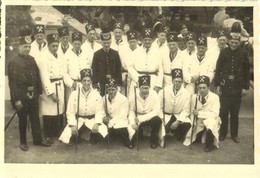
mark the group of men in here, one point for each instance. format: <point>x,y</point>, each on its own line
<point>118,87</point>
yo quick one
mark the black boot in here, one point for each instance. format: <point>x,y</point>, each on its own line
<point>209,141</point>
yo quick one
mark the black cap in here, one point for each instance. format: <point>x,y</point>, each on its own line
<point>25,40</point>
<point>111,82</point>
<point>191,36</point>
<point>105,35</point>
<point>119,25</point>
<point>221,32</point>
<point>39,29</point>
<point>63,31</point>
<point>203,79</point>
<point>144,80</point>
<point>52,38</point>
<point>89,27</point>
<point>177,73</point>
<point>85,73</point>
<point>148,33</point>
<point>202,41</point>
<point>131,35</point>
<point>76,36</point>
<point>235,31</point>
<point>172,37</point>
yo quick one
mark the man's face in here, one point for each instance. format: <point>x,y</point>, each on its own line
<point>25,49</point>
<point>118,34</point>
<point>177,82</point>
<point>234,44</point>
<point>106,44</point>
<point>91,36</point>
<point>203,89</point>
<point>64,40</point>
<point>76,45</point>
<point>39,38</point>
<point>144,91</point>
<point>162,37</point>
<point>191,45</point>
<point>111,91</point>
<point>53,47</point>
<point>173,46</point>
<point>147,42</point>
<point>222,42</point>
<point>86,83</point>
<point>201,50</point>
<point>184,32</point>
<point>182,45</point>
<point>132,44</point>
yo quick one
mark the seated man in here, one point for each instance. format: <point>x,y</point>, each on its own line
<point>84,108</point>
<point>116,108</point>
<point>175,104</point>
<point>205,108</point>
<point>145,110</point>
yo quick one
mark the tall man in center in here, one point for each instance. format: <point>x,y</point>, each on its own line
<point>106,64</point>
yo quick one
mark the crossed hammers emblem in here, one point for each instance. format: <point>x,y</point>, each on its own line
<point>39,28</point>
<point>145,80</point>
<point>63,31</point>
<point>55,37</point>
<point>89,27</point>
<point>221,32</point>
<point>202,79</point>
<point>118,25</point>
<point>132,35</point>
<point>189,36</point>
<point>177,72</point>
<point>171,37</point>
<point>201,40</point>
<point>147,32</point>
<point>76,35</point>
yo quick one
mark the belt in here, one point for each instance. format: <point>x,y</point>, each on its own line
<point>55,79</point>
<point>76,80</point>
<point>167,113</point>
<point>147,73</point>
<point>167,74</point>
<point>87,117</point>
<point>124,70</point>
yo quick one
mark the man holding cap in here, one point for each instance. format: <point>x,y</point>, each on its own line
<point>147,107</point>
<point>175,106</point>
<point>25,88</point>
<point>118,39</point>
<point>86,104</point>
<point>205,110</point>
<point>39,44</point>
<point>76,60</point>
<point>149,62</point>
<point>106,64</point>
<point>64,46</point>
<point>232,82</point>
<point>51,72</point>
<point>172,58</point>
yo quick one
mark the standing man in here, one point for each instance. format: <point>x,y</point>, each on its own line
<point>118,39</point>
<point>106,64</point>
<point>84,109</point>
<point>90,45</point>
<point>25,88</point>
<point>149,62</point>
<point>50,66</point>
<point>116,108</point>
<point>147,108</point>
<point>191,39</point>
<point>39,44</point>
<point>205,109</point>
<point>231,82</point>
<point>76,60</point>
<point>172,58</point>
<point>64,46</point>
<point>175,106</point>
<point>160,42</point>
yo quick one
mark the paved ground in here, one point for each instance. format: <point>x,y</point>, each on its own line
<point>175,153</point>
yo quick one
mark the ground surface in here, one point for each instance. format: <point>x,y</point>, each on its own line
<point>175,153</point>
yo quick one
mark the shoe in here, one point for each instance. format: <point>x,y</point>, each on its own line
<point>50,140</point>
<point>221,138</point>
<point>24,147</point>
<point>236,139</point>
<point>43,143</point>
<point>154,145</point>
<point>208,148</point>
<point>131,146</point>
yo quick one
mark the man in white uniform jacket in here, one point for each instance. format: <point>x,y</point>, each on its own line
<point>76,60</point>
<point>90,45</point>
<point>160,41</point>
<point>88,110</point>
<point>172,58</point>
<point>205,107</point>
<point>39,44</point>
<point>149,62</point>
<point>145,110</point>
<point>201,64</point>
<point>64,46</point>
<point>175,106</point>
<point>191,39</point>
<point>118,39</point>
<point>51,72</point>
<point>116,108</point>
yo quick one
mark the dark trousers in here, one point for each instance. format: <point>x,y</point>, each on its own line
<point>181,130</point>
<point>52,125</point>
<point>229,104</point>
<point>31,108</point>
<point>155,124</point>
<point>122,133</point>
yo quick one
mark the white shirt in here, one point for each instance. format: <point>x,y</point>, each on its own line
<point>36,52</point>
<point>87,47</point>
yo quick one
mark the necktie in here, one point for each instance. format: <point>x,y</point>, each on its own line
<point>147,50</point>
<point>203,100</point>
<point>40,47</point>
<point>64,49</point>
<point>92,45</point>
<point>172,56</point>
<point>55,55</point>
<point>189,52</point>
<point>200,58</point>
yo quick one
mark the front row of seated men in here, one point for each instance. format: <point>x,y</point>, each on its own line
<point>189,118</point>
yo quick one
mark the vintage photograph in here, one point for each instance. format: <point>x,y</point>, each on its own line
<point>129,84</point>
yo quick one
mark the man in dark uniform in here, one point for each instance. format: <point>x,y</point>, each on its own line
<point>231,82</point>
<point>25,88</point>
<point>106,64</point>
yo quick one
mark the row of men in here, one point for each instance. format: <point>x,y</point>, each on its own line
<point>232,71</point>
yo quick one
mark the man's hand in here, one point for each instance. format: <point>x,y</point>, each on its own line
<point>244,92</point>
<point>18,105</point>
<point>54,98</point>
<point>74,130</point>
<point>106,119</point>
<point>175,125</point>
<point>157,89</point>
<point>195,112</point>
<point>134,126</point>
<point>95,128</point>
<point>74,85</point>
<point>218,91</point>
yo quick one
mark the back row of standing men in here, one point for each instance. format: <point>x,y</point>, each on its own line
<point>58,68</point>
